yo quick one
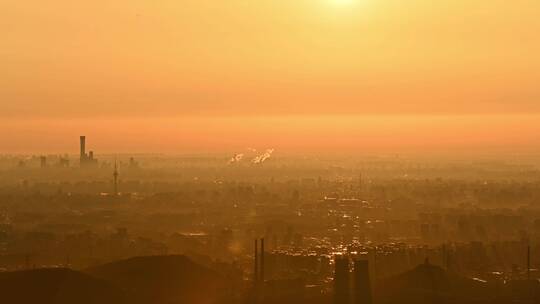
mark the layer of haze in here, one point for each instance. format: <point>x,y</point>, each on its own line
<point>177,75</point>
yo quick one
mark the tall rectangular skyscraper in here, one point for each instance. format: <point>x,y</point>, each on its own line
<point>341,281</point>
<point>361,283</point>
<point>83,149</point>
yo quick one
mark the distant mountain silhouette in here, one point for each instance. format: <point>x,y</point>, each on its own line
<point>55,286</point>
<point>164,279</point>
<point>431,284</point>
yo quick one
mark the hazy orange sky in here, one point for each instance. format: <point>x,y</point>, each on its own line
<point>295,74</point>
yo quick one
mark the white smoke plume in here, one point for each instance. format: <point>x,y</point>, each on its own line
<point>263,157</point>
<point>236,158</point>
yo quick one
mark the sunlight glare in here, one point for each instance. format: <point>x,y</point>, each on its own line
<point>343,2</point>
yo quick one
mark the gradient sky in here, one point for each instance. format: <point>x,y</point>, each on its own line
<point>215,74</point>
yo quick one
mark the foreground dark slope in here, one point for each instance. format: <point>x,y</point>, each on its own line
<point>56,286</point>
<point>164,279</point>
<point>176,279</point>
<point>431,284</point>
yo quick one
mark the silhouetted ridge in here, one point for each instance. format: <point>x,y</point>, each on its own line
<point>431,284</point>
<point>55,286</point>
<point>163,279</point>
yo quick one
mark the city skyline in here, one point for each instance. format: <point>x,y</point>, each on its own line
<point>269,152</point>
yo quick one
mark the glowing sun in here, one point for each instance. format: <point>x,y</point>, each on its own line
<point>342,2</point>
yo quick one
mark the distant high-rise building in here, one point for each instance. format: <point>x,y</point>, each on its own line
<point>63,161</point>
<point>83,148</point>
<point>341,281</point>
<point>43,161</point>
<point>133,163</point>
<point>361,283</point>
<point>86,158</point>
<point>21,164</point>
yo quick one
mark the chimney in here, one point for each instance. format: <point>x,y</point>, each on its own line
<point>528,263</point>
<point>115,176</point>
<point>256,269</point>
<point>262,260</point>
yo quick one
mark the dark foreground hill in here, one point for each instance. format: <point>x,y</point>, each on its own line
<point>431,284</point>
<point>164,279</point>
<point>56,286</point>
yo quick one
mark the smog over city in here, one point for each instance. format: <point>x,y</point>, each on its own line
<point>269,152</point>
